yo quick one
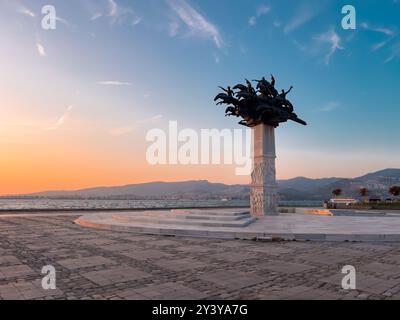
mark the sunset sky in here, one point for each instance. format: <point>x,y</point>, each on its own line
<point>76,102</point>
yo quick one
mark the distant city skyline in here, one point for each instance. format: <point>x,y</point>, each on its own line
<point>77,102</point>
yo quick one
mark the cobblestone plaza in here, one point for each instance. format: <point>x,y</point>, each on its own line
<point>94,264</point>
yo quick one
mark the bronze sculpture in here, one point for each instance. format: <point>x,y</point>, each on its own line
<point>263,105</point>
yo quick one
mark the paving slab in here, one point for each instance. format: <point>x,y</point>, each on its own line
<point>85,262</point>
<point>114,275</point>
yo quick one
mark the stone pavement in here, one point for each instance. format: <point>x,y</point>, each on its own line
<point>95,264</point>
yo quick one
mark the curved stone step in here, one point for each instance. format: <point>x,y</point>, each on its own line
<point>187,222</point>
<point>224,212</point>
<point>212,217</point>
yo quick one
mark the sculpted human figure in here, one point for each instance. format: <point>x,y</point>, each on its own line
<point>262,86</point>
<point>250,88</point>
<point>228,91</point>
<point>283,94</point>
<point>284,102</point>
<point>273,81</point>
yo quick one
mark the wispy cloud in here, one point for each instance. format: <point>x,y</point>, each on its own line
<point>197,24</point>
<point>63,21</point>
<point>277,23</point>
<point>151,120</point>
<point>61,120</point>
<point>96,16</point>
<point>395,53</point>
<point>386,31</point>
<point>116,13</point>
<point>261,11</point>
<point>113,8</point>
<point>217,59</point>
<point>40,50</point>
<point>124,130</point>
<point>302,16</point>
<point>122,15</point>
<point>333,39</point>
<point>330,106</point>
<point>26,11</point>
<point>173,28</point>
<point>114,83</point>
<point>121,131</point>
<point>380,45</point>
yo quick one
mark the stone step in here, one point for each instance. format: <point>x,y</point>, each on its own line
<point>212,217</point>
<point>187,222</point>
<point>211,212</point>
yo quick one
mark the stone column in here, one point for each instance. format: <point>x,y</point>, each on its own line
<point>264,190</point>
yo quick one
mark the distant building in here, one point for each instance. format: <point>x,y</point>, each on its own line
<point>336,202</point>
<point>374,199</point>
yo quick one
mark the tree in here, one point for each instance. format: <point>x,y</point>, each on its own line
<point>363,192</point>
<point>337,192</point>
<point>395,191</point>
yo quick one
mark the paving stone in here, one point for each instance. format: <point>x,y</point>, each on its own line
<point>9,260</point>
<point>193,249</point>
<point>167,291</point>
<point>15,271</point>
<point>114,275</point>
<point>146,254</point>
<point>270,249</point>
<point>233,256</point>
<point>325,258</point>
<point>180,264</point>
<point>232,280</point>
<point>284,267</point>
<point>164,243</point>
<point>385,269</point>
<point>85,262</point>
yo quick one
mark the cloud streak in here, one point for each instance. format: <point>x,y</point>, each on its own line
<point>197,24</point>
<point>114,83</point>
<point>334,41</point>
<point>116,13</point>
<point>60,122</point>
<point>151,120</point>
<point>261,11</point>
<point>122,15</point>
<point>304,15</point>
<point>395,53</point>
<point>26,11</point>
<point>121,131</point>
<point>330,106</point>
<point>386,31</point>
<point>40,50</point>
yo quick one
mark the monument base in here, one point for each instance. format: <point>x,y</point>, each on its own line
<point>263,190</point>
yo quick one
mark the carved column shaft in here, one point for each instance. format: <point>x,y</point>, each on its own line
<point>264,190</point>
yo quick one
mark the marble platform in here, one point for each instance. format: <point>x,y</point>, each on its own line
<point>299,224</point>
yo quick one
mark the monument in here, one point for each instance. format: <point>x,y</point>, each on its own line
<point>263,109</point>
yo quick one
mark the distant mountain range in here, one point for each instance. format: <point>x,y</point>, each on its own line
<point>299,188</point>
<point>378,184</point>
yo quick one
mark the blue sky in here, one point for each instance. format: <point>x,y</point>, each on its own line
<point>119,67</point>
